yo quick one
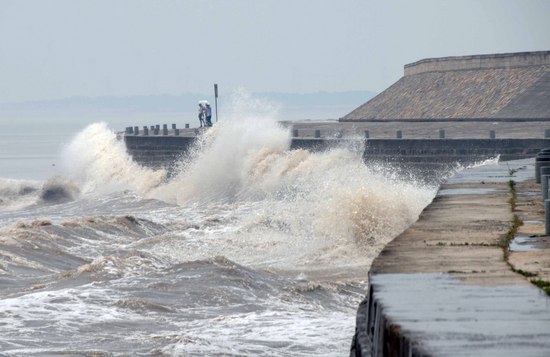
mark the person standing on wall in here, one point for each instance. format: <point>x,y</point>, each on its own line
<point>202,112</point>
<point>208,112</point>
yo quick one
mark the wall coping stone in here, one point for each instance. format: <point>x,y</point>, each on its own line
<point>476,62</point>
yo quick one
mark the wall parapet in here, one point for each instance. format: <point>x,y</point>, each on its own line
<point>476,62</point>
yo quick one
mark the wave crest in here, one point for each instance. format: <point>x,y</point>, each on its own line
<point>58,190</point>
<point>98,162</point>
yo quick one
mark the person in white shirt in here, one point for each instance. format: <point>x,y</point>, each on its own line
<point>202,112</point>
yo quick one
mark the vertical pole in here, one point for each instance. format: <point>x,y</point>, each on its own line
<point>544,186</point>
<point>216,99</point>
<point>547,216</point>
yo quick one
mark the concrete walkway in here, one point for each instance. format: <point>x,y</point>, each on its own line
<point>388,130</point>
<point>424,130</point>
<point>445,286</point>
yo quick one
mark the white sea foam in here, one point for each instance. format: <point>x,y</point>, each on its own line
<point>298,330</point>
<point>62,309</point>
<point>490,161</point>
<point>98,162</point>
<point>15,194</point>
<point>218,168</point>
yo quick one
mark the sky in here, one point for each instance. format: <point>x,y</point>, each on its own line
<point>64,48</point>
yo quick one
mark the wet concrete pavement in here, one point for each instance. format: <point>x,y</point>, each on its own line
<point>444,316</point>
<point>447,287</point>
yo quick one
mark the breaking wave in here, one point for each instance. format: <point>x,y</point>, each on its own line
<point>292,208</point>
<point>57,190</point>
<point>298,208</point>
<point>97,162</point>
<point>17,193</point>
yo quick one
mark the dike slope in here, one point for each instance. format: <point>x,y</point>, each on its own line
<point>504,87</point>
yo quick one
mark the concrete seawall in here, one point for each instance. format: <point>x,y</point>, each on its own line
<point>418,142</point>
<point>158,151</point>
<point>445,286</point>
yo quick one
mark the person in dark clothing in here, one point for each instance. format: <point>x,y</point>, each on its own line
<point>208,113</point>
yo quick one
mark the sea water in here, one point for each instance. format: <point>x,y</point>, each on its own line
<point>249,249</point>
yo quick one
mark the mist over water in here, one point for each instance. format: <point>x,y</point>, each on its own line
<point>249,249</point>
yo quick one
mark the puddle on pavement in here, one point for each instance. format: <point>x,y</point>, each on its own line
<point>490,171</point>
<point>537,221</point>
<point>529,193</point>
<point>526,243</point>
<point>522,244</point>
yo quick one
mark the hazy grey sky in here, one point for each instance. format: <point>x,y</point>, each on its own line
<point>61,48</point>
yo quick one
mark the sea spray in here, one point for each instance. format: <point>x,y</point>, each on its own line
<point>215,168</point>
<point>296,209</point>
<point>98,162</point>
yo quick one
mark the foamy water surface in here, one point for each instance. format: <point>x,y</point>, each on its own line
<point>250,249</point>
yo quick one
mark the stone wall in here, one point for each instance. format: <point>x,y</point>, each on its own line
<point>459,150</point>
<point>505,60</point>
<point>513,86</point>
<point>427,155</point>
<point>158,151</point>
